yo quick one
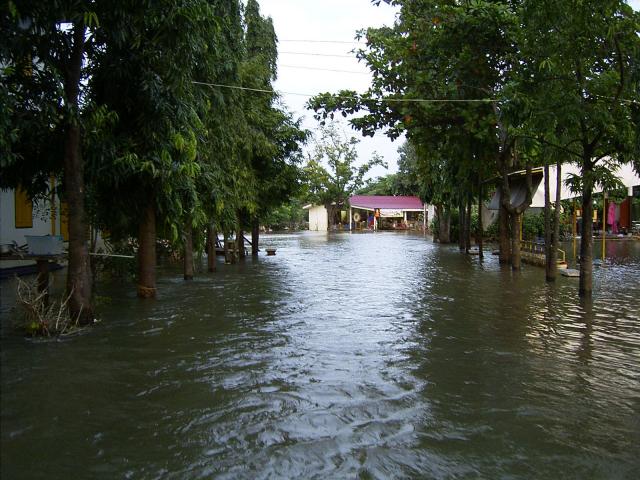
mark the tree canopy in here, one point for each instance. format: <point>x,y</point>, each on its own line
<point>170,134</point>
<point>332,172</point>
<point>481,87</point>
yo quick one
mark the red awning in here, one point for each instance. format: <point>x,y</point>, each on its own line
<point>389,202</point>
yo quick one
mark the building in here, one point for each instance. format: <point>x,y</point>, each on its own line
<point>318,218</point>
<point>21,217</point>
<point>623,214</point>
<point>375,212</point>
<point>382,212</point>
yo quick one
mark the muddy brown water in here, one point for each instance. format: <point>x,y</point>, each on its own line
<point>345,356</point>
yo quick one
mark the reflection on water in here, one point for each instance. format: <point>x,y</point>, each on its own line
<point>371,356</point>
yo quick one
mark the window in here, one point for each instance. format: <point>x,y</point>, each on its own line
<point>24,209</point>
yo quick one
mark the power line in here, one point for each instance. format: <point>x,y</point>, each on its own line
<point>351,97</point>
<point>323,69</point>
<point>621,100</point>
<point>319,54</point>
<point>237,87</point>
<point>322,41</point>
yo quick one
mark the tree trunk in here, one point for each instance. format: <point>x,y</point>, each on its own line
<point>444,232</point>
<point>147,253</point>
<point>516,223</point>
<point>586,242</point>
<point>240,243</point>
<point>480,232</point>
<point>555,240</point>
<point>255,236</point>
<point>467,227</point>
<point>211,248</point>
<point>93,261</point>
<point>229,256</point>
<point>503,234</point>
<point>461,225</point>
<point>79,270</point>
<point>188,251</point>
<point>515,211</point>
<point>549,268</point>
<point>330,216</point>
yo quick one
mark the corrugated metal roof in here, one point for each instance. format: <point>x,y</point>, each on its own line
<point>382,201</point>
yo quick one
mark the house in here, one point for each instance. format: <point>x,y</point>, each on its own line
<point>318,218</point>
<point>388,213</point>
<point>20,217</point>
<point>383,212</point>
<point>625,212</point>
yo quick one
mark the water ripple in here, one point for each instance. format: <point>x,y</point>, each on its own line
<point>344,356</point>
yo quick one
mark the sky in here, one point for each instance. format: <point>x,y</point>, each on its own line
<point>319,22</point>
<point>308,31</point>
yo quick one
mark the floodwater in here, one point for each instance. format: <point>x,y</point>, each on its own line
<point>345,356</point>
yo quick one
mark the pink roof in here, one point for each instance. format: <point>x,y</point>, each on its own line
<point>381,201</point>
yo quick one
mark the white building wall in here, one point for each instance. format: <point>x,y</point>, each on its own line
<point>626,174</point>
<point>41,219</point>
<point>318,219</point>
<point>431,214</point>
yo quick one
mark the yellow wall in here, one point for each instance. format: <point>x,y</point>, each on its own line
<point>24,209</point>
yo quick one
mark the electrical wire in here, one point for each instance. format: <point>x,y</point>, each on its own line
<point>351,97</point>
<point>319,54</point>
<point>621,100</point>
<point>323,69</point>
<point>352,42</point>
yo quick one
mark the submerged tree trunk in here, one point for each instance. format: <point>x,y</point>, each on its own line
<point>437,213</point>
<point>93,261</point>
<point>552,225</point>
<point>503,235</point>
<point>79,269</point>
<point>480,232</point>
<point>212,235</point>
<point>555,240</point>
<point>516,225</point>
<point>549,268</point>
<point>586,242</point>
<point>467,226</point>
<point>444,231</point>
<point>147,253</point>
<point>229,256</point>
<point>188,251</point>
<point>255,236</point>
<point>516,211</point>
<point>240,244</point>
<point>461,225</point>
<point>331,216</point>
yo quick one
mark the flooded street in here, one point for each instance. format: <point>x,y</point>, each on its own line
<point>345,356</point>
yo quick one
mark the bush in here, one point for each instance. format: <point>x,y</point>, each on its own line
<point>39,318</point>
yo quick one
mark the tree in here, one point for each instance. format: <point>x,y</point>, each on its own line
<point>385,185</point>
<point>407,181</point>
<point>436,75</point>
<point>145,77</point>
<point>332,186</point>
<point>44,65</point>
<point>582,69</point>
<point>275,138</point>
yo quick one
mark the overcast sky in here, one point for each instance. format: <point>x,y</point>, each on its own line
<point>305,29</point>
<point>326,21</point>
